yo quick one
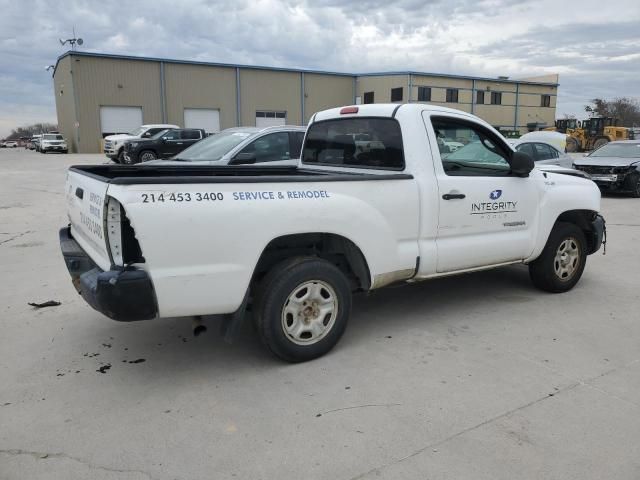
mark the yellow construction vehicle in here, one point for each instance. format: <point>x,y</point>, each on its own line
<point>594,133</point>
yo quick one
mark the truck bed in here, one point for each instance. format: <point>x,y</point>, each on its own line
<point>179,174</point>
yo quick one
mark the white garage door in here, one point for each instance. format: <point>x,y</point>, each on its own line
<point>270,119</point>
<point>205,118</point>
<point>120,119</point>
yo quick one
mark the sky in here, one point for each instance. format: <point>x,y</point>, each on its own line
<point>594,49</point>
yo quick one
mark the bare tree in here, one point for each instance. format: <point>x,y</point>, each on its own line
<point>31,130</point>
<point>626,110</point>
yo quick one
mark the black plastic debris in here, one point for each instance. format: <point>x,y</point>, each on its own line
<point>49,303</point>
<point>104,368</point>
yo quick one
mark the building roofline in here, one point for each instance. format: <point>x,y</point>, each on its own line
<point>294,70</point>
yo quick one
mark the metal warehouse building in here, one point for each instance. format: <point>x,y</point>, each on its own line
<point>99,94</point>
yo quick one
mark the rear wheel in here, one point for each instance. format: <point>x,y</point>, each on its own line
<point>147,156</point>
<point>561,263</point>
<point>572,144</point>
<point>600,142</point>
<point>303,305</point>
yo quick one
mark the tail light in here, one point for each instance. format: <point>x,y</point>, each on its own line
<point>124,248</point>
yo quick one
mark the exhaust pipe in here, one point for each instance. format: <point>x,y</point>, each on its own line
<point>198,326</point>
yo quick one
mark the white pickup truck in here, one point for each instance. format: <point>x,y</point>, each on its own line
<point>375,200</point>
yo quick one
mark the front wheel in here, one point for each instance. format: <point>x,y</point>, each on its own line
<point>599,143</point>
<point>572,145</point>
<point>303,305</point>
<point>561,263</point>
<point>120,158</point>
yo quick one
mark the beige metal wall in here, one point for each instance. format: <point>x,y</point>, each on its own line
<point>65,103</point>
<point>83,84</point>
<point>381,87</point>
<point>116,82</point>
<point>326,91</point>
<point>269,90</point>
<point>200,86</point>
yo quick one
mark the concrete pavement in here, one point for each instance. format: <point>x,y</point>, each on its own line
<point>479,376</point>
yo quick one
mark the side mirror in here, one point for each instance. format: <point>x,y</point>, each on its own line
<point>164,139</point>
<point>521,164</point>
<point>243,159</point>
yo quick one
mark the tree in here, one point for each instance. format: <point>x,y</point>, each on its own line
<point>626,110</point>
<point>31,130</point>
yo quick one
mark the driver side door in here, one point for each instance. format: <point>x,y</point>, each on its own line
<point>486,215</point>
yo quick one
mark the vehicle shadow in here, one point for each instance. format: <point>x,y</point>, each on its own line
<point>170,350</point>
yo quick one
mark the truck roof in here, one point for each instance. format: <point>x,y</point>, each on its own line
<point>390,110</point>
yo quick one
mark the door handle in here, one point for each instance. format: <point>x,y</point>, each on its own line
<point>453,196</point>
<point>79,193</point>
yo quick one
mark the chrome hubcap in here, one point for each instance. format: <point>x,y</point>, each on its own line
<point>146,157</point>
<point>567,259</point>
<point>310,312</point>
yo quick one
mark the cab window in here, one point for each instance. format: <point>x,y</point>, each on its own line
<point>355,142</point>
<point>172,135</point>
<point>269,148</point>
<point>528,149</point>
<point>544,152</point>
<point>481,153</point>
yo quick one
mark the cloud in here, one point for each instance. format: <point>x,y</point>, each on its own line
<point>595,54</point>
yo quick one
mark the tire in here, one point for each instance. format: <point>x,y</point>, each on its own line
<point>120,158</point>
<point>599,143</point>
<point>572,145</point>
<point>147,156</point>
<point>635,188</point>
<point>306,285</point>
<point>561,263</point>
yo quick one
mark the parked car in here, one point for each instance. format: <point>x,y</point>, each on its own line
<point>614,167</point>
<point>297,242</point>
<point>113,144</point>
<point>36,142</point>
<point>52,142</point>
<point>11,144</point>
<point>164,144</point>
<point>278,145</point>
<point>543,152</point>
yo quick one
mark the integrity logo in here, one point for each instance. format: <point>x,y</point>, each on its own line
<point>493,207</point>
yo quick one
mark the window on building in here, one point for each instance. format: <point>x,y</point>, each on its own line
<point>480,97</point>
<point>545,101</point>
<point>396,94</point>
<point>368,97</point>
<point>452,95</point>
<point>424,94</point>
<point>496,98</point>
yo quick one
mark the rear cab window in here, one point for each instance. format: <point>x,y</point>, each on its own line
<point>364,142</point>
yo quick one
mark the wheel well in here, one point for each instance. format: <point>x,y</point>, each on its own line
<point>582,219</point>
<point>336,249</point>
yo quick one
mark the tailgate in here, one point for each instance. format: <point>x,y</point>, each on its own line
<point>86,197</point>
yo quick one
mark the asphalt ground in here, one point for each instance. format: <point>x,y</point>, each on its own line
<point>473,377</point>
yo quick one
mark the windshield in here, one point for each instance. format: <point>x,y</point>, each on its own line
<point>137,132</point>
<point>621,150</point>
<point>214,147</point>
<point>52,137</point>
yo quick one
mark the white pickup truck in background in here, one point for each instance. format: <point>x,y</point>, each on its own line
<point>375,200</point>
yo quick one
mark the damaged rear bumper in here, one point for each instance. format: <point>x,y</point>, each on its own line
<point>125,294</point>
